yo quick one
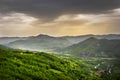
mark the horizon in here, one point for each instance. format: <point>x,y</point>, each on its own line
<point>59,36</point>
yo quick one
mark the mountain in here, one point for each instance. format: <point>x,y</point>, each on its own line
<point>6,40</point>
<point>51,44</point>
<point>40,43</point>
<point>77,39</point>
<point>27,65</point>
<point>4,47</point>
<point>93,47</point>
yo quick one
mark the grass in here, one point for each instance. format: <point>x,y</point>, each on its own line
<point>25,65</point>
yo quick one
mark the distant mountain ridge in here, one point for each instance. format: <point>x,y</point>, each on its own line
<point>93,47</point>
<point>73,39</point>
<point>77,39</point>
<point>40,43</point>
<point>48,43</point>
<point>6,40</point>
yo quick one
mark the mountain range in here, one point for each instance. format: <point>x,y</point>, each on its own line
<point>40,43</point>
<point>93,47</point>
<point>89,57</point>
<point>7,40</point>
<point>85,45</point>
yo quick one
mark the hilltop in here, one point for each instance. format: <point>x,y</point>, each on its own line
<point>93,47</point>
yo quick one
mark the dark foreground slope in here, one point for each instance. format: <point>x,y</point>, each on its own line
<point>93,47</point>
<point>25,65</point>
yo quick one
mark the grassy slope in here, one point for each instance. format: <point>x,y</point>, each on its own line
<point>25,65</point>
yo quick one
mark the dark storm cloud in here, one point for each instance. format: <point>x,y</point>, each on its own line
<point>53,8</point>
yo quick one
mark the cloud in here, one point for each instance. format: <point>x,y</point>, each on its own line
<point>77,24</point>
<point>53,8</point>
<point>59,17</point>
<point>15,23</point>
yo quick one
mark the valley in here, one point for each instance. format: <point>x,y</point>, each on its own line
<point>26,65</point>
<point>53,58</point>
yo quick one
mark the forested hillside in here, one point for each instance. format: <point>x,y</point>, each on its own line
<point>93,47</point>
<point>25,65</point>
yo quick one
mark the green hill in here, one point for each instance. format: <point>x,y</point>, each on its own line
<point>25,65</point>
<point>5,47</point>
<point>40,43</point>
<point>93,47</point>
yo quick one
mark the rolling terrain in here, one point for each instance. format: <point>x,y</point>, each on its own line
<point>48,43</point>
<point>78,58</point>
<point>27,65</point>
<point>40,43</point>
<point>7,40</point>
<point>93,47</point>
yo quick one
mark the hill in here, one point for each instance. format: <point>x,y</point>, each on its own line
<point>25,65</point>
<point>5,47</point>
<point>93,47</point>
<point>77,39</point>
<point>40,43</point>
<point>6,40</point>
<point>48,43</point>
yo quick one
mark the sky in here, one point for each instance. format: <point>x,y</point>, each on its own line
<point>59,17</point>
